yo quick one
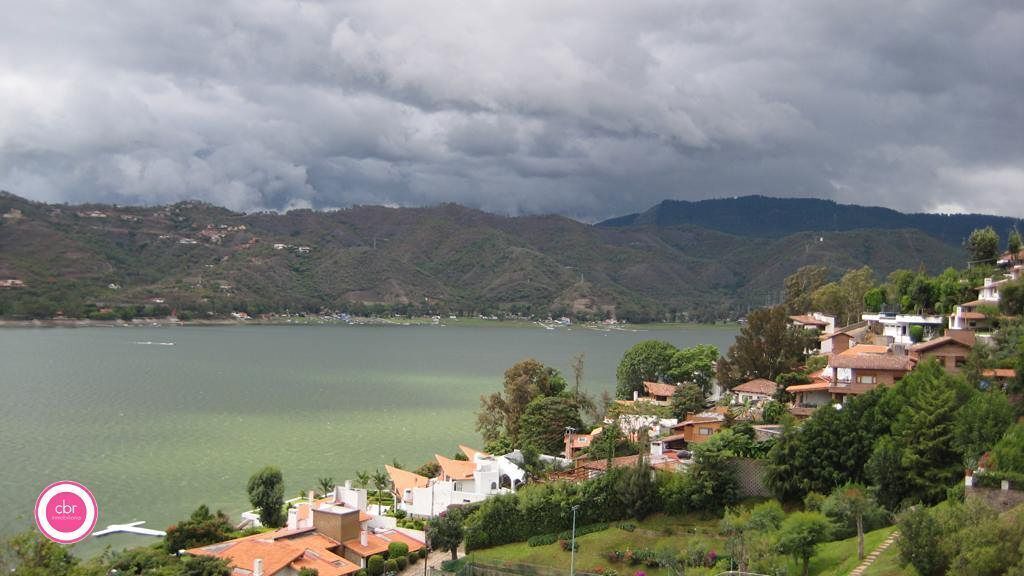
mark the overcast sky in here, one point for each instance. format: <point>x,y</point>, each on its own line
<point>589,109</point>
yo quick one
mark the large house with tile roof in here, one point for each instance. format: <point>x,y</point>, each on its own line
<point>951,349</point>
<point>459,482</point>
<point>756,391</point>
<point>332,535</point>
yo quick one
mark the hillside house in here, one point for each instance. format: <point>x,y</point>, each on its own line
<point>657,393</point>
<point>864,367</point>
<point>896,327</point>
<point>757,391</point>
<point>812,395</point>
<point>972,315</point>
<point>459,482</point>
<point>815,321</point>
<point>333,535</point>
<point>951,349</point>
<point>694,429</point>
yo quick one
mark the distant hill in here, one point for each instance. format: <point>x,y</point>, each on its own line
<point>201,260</point>
<point>766,217</point>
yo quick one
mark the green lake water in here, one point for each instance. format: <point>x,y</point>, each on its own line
<point>156,430</point>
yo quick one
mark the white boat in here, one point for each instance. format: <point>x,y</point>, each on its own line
<point>132,528</point>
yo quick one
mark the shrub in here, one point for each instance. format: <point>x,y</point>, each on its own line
<point>398,549</point>
<point>568,545</point>
<point>400,514</point>
<point>627,526</point>
<point>401,561</point>
<point>423,552</point>
<point>542,540</point>
<point>375,565</point>
<point>391,565</point>
<point>412,558</point>
<point>615,556</point>
<point>361,573</point>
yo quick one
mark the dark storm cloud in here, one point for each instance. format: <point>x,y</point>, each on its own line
<point>589,109</point>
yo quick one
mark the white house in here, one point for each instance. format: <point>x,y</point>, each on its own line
<point>897,326</point>
<point>459,482</point>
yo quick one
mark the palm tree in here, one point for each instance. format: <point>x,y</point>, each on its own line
<point>380,481</point>
<point>326,485</point>
<point>362,478</point>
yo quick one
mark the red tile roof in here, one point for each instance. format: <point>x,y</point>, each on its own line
<point>456,469</point>
<point>377,543</point>
<point>999,373</point>
<point>281,549</point>
<point>758,386</point>
<point>812,387</point>
<point>659,388</point>
<point>940,341</point>
<point>872,361</point>
<point>404,480</point>
<point>808,320</point>
<point>470,452</point>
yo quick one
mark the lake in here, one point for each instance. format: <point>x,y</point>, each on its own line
<point>155,430</point>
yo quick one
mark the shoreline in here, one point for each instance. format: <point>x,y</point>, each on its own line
<point>326,321</point>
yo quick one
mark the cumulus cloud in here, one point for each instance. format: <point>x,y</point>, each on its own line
<point>585,108</point>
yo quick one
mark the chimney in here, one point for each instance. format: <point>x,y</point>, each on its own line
<point>636,395</point>
<point>363,538</point>
<point>311,496</point>
<point>257,567</point>
<point>657,449</point>
<point>293,518</point>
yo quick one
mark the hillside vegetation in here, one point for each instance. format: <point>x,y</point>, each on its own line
<point>201,260</point>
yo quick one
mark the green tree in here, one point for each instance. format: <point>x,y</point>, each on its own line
<point>885,469</point>
<point>431,468</point>
<point>1011,298</point>
<point>444,532</point>
<point>849,505</point>
<point>326,485</point>
<point>32,554</point>
<point>688,399</point>
<point>544,422</point>
<point>500,413</point>
<point>781,468</point>
<point>923,429</point>
<point>801,285</point>
<point>205,566</point>
<point>649,360</point>
<point>845,299</point>
<point>874,299</point>
<point>309,572</point>
<point>1013,242</point>
<point>1008,453</point>
<point>920,542</point>
<point>201,528</point>
<point>380,482</point>
<point>266,493</point>
<point>983,246</point>
<point>362,478</point>
<point>695,364</point>
<point>801,533</point>
<point>767,346</point>
<point>980,423</point>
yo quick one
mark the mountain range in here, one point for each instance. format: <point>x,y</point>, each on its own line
<point>706,260</point>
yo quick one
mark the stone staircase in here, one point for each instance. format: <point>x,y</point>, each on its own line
<point>870,558</point>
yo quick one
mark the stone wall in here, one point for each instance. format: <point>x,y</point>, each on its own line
<point>1001,499</point>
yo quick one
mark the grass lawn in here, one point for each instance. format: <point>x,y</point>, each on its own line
<point>888,564</point>
<point>840,557</point>
<point>653,532</point>
<point>833,558</point>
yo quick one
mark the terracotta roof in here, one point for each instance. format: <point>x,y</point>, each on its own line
<point>758,386</point>
<point>937,342</point>
<point>999,373</point>
<point>456,469</point>
<point>377,543</point>
<point>808,320</point>
<point>404,480</point>
<point>979,303</point>
<point>824,337</point>
<point>672,437</point>
<point>872,361</point>
<point>866,349</point>
<point>281,549</point>
<point>470,452</point>
<point>973,315</point>
<point>812,387</point>
<point>660,388</point>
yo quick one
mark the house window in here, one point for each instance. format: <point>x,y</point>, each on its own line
<point>866,379</point>
<point>704,431</point>
<point>960,361</point>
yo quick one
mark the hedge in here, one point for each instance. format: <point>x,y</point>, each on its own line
<point>401,562</point>
<point>391,565</point>
<point>994,479</point>
<point>398,549</point>
<point>375,565</point>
